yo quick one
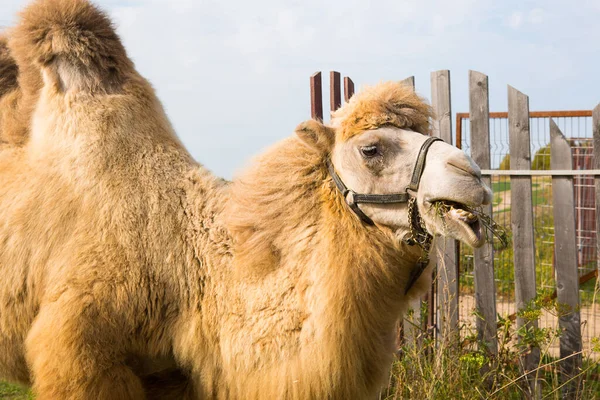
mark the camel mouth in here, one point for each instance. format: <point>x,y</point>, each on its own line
<point>460,222</point>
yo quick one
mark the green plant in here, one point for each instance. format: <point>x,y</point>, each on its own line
<point>463,369</point>
<point>14,392</point>
<point>541,159</point>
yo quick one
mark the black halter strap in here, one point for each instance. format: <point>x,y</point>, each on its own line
<point>418,234</point>
<point>353,199</point>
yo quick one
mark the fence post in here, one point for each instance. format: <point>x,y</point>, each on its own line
<point>348,88</point>
<point>316,97</point>
<point>412,323</point>
<point>335,91</point>
<point>483,258</point>
<point>522,223</point>
<point>446,250</point>
<point>565,265</point>
<point>596,136</point>
<point>429,320</point>
<point>410,81</point>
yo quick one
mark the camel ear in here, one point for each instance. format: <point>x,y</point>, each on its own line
<point>316,135</point>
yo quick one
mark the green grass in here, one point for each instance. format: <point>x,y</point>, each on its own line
<point>501,186</point>
<point>462,369</point>
<point>14,392</point>
<point>504,185</point>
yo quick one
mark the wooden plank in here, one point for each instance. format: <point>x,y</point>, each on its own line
<point>348,88</point>
<point>429,321</point>
<point>316,97</point>
<point>483,258</point>
<point>447,255</point>
<point>413,325</point>
<point>533,172</point>
<point>410,81</point>
<point>522,221</point>
<point>596,138</point>
<point>440,101</point>
<point>540,114</point>
<point>565,265</point>
<point>335,91</point>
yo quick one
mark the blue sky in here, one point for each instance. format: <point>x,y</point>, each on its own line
<point>233,76</point>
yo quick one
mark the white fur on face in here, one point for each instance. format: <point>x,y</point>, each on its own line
<point>449,174</point>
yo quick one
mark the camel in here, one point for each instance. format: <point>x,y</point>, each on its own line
<point>130,271</point>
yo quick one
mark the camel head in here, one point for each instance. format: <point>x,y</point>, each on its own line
<point>373,144</point>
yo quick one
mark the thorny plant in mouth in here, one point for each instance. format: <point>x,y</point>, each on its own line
<point>471,215</point>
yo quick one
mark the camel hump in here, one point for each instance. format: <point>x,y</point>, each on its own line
<point>73,43</point>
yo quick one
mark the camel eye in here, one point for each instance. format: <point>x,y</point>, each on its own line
<point>369,151</point>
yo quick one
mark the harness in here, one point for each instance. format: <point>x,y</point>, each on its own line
<point>419,235</point>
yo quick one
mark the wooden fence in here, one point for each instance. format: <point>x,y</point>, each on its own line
<point>443,300</point>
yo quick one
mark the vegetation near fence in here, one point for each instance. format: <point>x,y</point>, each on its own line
<point>513,322</point>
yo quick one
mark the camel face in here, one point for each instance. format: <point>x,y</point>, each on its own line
<point>381,161</point>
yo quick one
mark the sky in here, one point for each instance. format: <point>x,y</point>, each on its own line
<point>233,76</point>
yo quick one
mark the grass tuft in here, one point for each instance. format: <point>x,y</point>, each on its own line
<point>492,228</point>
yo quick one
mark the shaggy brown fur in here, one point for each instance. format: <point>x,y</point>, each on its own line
<point>13,118</point>
<point>8,69</point>
<point>388,103</point>
<point>129,271</point>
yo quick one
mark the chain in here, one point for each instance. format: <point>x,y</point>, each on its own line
<point>419,234</point>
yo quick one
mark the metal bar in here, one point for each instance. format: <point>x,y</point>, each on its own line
<point>530,172</point>
<point>316,97</point>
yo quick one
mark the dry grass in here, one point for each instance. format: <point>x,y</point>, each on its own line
<point>459,367</point>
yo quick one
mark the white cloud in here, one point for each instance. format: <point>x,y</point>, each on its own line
<point>515,20</point>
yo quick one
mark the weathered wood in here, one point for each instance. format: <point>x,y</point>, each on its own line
<point>410,81</point>
<point>335,91</point>
<point>413,324</point>
<point>596,136</point>
<point>447,254</point>
<point>565,265</point>
<point>348,88</point>
<point>483,258</point>
<point>316,97</point>
<point>440,101</point>
<point>547,172</point>
<point>522,221</point>
<point>539,114</point>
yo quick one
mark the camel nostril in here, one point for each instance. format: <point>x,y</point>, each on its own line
<point>465,164</point>
<point>487,196</point>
